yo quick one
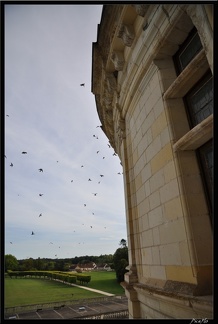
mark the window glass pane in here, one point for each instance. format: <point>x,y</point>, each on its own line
<point>189,52</point>
<point>200,102</point>
<point>209,162</point>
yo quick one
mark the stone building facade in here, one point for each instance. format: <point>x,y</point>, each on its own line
<point>152,78</point>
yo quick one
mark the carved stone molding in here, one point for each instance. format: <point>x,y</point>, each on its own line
<point>121,128</point>
<point>109,89</point>
<point>109,117</point>
<point>126,33</point>
<point>118,107</point>
<point>117,58</point>
<point>110,134</point>
<point>131,277</point>
<point>141,9</point>
<point>110,82</point>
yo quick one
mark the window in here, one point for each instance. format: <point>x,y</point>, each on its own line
<point>199,105</point>
<point>188,50</point>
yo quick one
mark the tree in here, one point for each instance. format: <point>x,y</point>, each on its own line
<point>120,260</point>
<point>11,263</point>
<point>123,243</point>
<point>28,265</point>
<point>50,265</point>
<point>39,264</point>
<point>121,270</point>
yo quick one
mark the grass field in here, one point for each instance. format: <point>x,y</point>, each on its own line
<point>19,292</point>
<point>105,281</point>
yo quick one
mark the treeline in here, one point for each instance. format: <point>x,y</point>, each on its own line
<point>55,264</point>
<point>117,261</point>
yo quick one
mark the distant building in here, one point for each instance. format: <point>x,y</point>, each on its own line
<point>72,267</point>
<point>86,266</point>
<point>103,267</point>
<point>90,266</point>
<point>152,77</point>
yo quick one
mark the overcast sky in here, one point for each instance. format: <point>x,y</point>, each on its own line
<point>48,54</point>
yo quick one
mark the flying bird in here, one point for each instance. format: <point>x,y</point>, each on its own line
<point>11,242</point>
<point>71,180</point>
<point>41,195</point>
<point>24,152</point>
<point>5,156</point>
<point>84,205</point>
<point>7,115</point>
<point>11,164</point>
<point>32,233</point>
<point>89,179</point>
<point>91,226</point>
<point>82,84</point>
<point>101,175</point>
<point>95,194</point>
<point>40,170</point>
<point>40,215</point>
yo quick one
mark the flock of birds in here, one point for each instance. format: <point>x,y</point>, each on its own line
<point>82,166</point>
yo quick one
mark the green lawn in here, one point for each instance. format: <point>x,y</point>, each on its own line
<point>105,281</point>
<point>19,292</point>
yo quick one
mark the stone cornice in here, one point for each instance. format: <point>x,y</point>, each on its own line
<point>114,34</point>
